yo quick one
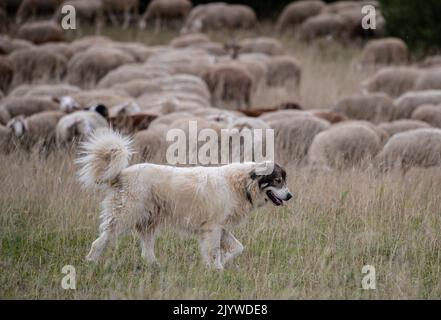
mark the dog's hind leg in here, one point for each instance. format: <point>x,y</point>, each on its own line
<point>210,248</point>
<point>98,246</point>
<point>230,246</point>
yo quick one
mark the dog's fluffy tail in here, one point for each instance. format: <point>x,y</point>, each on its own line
<point>102,158</point>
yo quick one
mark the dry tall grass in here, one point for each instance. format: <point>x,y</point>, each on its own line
<point>313,248</point>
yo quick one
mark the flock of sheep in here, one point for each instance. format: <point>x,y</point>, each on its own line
<point>53,92</point>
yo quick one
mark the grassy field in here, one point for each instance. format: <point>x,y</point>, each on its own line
<point>313,248</point>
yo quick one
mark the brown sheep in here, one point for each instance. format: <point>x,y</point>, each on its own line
<point>385,51</point>
<point>85,69</point>
<point>415,148</point>
<point>398,126</point>
<point>269,46</point>
<point>428,113</point>
<point>28,106</point>
<point>429,80</point>
<point>6,74</point>
<point>376,107</point>
<point>40,32</point>
<point>322,26</point>
<point>230,86</point>
<point>126,7</point>
<point>297,12</point>
<point>406,104</point>
<point>30,9</point>
<point>37,65</point>
<point>293,137</point>
<point>161,11</point>
<point>343,145</point>
<point>393,81</point>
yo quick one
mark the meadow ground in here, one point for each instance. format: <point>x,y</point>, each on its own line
<point>315,247</point>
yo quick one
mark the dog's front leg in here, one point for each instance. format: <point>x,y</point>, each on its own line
<point>230,246</point>
<point>147,237</point>
<point>210,247</point>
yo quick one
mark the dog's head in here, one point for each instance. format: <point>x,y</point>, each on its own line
<point>272,185</point>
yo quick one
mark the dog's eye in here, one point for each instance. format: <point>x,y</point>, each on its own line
<point>278,180</point>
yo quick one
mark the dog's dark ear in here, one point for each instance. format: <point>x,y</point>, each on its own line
<point>253,175</point>
<point>102,110</point>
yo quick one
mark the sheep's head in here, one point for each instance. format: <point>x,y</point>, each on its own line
<point>18,126</point>
<point>67,104</point>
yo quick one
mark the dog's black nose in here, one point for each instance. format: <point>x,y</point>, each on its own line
<point>289,196</point>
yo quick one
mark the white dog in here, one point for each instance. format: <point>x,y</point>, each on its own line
<point>198,200</point>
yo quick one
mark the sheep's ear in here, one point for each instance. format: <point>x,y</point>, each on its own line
<point>102,110</point>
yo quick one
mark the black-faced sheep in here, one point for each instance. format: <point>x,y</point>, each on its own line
<point>428,113</point>
<point>343,145</point>
<point>398,126</point>
<point>41,32</point>
<point>376,108</point>
<point>384,52</point>
<point>79,124</point>
<point>393,81</point>
<point>297,12</point>
<point>408,102</point>
<point>415,148</point>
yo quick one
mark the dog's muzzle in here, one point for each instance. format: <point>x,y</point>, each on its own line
<point>278,196</point>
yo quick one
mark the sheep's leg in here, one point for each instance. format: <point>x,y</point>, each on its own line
<point>230,246</point>
<point>157,25</point>
<point>127,17</point>
<point>210,248</point>
<point>113,18</point>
